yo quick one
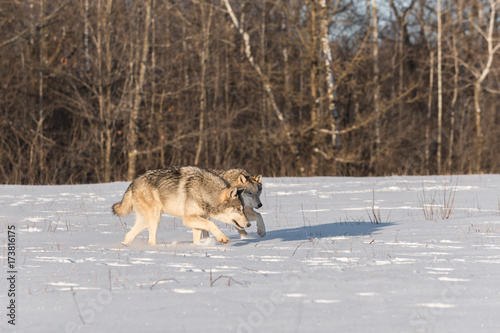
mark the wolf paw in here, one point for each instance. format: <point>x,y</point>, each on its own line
<point>261,232</point>
<point>223,239</point>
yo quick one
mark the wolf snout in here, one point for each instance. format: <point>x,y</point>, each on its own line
<point>242,225</point>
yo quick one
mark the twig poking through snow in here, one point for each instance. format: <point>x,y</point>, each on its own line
<point>162,280</point>
<point>297,248</point>
<point>254,270</point>
<point>212,282</point>
<point>77,307</point>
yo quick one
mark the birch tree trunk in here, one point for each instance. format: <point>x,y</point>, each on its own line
<point>314,66</point>
<point>104,68</point>
<point>286,64</point>
<point>330,79</point>
<point>152,114</point>
<point>100,73</point>
<point>399,47</point>
<point>313,55</point>
<point>453,101</point>
<point>376,79</point>
<point>205,36</point>
<point>402,20</point>
<point>139,83</point>
<point>41,115</point>
<point>263,105</point>
<point>86,35</point>
<point>427,153</point>
<point>481,76</point>
<point>440,86</point>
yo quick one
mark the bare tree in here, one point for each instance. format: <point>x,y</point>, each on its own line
<point>104,70</point>
<point>427,153</point>
<point>41,113</point>
<point>326,51</point>
<point>440,85</point>
<point>376,82</point>
<point>204,53</point>
<point>141,58</point>
<point>266,82</point>
<point>251,59</point>
<point>402,18</point>
<point>456,73</point>
<point>482,73</point>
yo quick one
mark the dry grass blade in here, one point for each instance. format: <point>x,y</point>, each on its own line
<point>375,216</point>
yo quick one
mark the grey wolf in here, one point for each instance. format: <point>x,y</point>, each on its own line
<point>190,193</point>
<point>252,189</point>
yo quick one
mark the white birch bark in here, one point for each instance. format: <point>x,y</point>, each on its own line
<point>86,37</point>
<point>41,115</point>
<point>440,86</point>
<point>104,67</point>
<point>330,79</point>
<point>481,76</point>
<point>205,35</point>
<point>376,77</point>
<point>134,113</point>
<point>449,162</point>
<point>427,153</point>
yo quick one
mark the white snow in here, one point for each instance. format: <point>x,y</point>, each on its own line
<point>324,266</point>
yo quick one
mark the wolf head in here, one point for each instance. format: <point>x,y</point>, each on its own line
<point>231,208</point>
<point>252,188</point>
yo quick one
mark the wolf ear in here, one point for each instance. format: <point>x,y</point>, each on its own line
<point>242,179</point>
<point>232,193</point>
<point>258,179</point>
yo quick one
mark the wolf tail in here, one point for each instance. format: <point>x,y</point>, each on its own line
<point>125,206</point>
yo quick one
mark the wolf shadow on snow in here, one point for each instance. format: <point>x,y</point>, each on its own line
<point>318,231</point>
<point>306,232</point>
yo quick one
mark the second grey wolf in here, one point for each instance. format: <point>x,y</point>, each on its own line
<point>252,189</point>
<point>190,193</point>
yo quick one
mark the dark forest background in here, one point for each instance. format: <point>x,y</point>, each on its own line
<point>102,90</point>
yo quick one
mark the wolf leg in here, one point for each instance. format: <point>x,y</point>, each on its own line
<point>243,233</point>
<point>196,235</point>
<point>153,221</point>
<point>199,234</point>
<point>252,215</point>
<point>139,226</point>
<point>195,222</point>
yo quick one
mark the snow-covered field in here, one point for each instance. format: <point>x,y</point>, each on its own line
<point>324,266</point>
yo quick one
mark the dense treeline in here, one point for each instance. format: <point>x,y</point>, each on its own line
<point>101,90</point>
